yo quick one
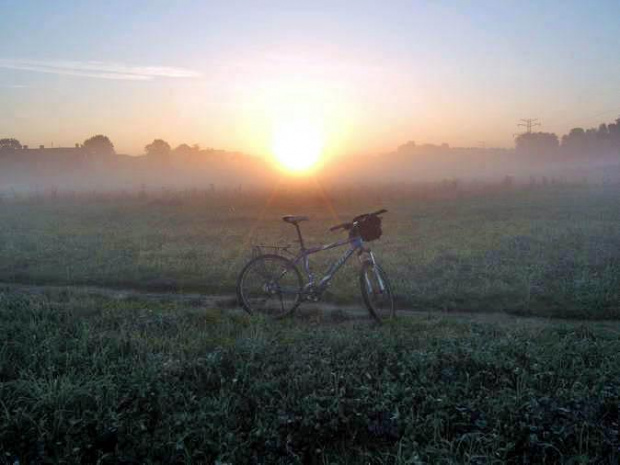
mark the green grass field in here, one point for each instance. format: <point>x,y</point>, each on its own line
<point>96,375</point>
<point>553,251</point>
<point>92,379</point>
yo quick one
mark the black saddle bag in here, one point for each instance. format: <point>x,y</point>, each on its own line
<point>369,228</point>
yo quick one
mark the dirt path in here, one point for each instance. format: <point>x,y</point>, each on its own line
<point>229,302</point>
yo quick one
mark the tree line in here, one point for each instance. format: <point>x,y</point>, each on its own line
<point>588,142</point>
<point>102,145</point>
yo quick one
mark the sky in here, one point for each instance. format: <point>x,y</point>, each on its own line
<point>370,75</point>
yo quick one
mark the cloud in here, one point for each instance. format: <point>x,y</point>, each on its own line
<point>99,69</point>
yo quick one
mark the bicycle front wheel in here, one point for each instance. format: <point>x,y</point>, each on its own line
<point>377,292</point>
<point>271,285</point>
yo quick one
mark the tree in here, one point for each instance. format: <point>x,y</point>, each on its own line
<point>593,142</point>
<point>99,145</point>
<point>537,142</point>
<point>158,148</point>
<point>575,140</point>
<point>184,149</point>
<point>10,144</point>
<point>406,147</point>
<point>614,133</point>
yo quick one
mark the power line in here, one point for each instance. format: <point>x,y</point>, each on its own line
<point>529,124</point>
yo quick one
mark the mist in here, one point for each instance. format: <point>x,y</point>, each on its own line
<point>581,156</point>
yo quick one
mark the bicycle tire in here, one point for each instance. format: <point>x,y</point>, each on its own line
<point>380,313</point>
<point>250,299</point>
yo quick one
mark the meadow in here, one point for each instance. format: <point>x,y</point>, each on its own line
<point>89,378</point>
<point>552,251</point>
<point>121,342</point>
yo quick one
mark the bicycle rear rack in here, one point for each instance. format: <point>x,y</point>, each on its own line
<point>262,249</point>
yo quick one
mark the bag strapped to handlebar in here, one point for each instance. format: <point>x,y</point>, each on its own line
<point>368,228</point>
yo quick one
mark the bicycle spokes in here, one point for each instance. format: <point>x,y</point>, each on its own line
<point>270,285</point>
<point>376,292</point>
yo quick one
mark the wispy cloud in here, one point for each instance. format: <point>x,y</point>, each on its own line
<point>99,69</point>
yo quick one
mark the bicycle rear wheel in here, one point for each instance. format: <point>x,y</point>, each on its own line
<point>271,285</point>
<point>377,292</point>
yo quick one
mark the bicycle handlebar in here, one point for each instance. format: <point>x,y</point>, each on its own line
<point>341,226</point>
<point>348,226</point>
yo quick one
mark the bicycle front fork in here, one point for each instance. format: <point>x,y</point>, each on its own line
<point>367,257</point>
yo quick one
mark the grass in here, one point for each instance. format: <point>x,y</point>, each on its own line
<point>94,379</point>
<point>551,251</point>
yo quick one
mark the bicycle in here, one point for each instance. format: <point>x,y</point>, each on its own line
<point>272,284</point>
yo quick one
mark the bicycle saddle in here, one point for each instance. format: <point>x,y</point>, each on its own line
<point>292,219</point>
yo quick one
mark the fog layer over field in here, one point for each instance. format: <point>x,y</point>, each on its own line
<point>545,250</point>
<point>591,156</point>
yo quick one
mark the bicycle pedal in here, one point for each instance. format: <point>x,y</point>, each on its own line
<point>311,295</point>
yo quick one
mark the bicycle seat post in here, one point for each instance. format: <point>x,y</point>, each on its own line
<point>301,239</point>
<point>294,220</point>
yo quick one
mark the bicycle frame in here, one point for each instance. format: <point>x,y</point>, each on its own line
<point>278,272</point>
<point>356,245</point>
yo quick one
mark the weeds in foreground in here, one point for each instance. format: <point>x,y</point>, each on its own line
<point>86,379</point>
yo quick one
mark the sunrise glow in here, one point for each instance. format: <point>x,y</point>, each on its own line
<point>298,144</point>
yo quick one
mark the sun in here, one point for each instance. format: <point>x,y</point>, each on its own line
<point>298,144</point>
